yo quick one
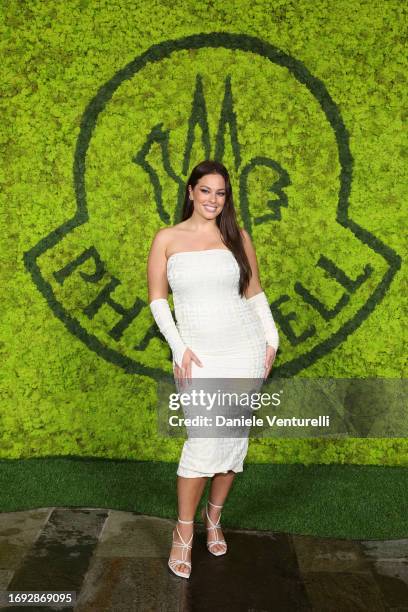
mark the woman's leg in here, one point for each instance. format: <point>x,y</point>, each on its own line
<point>189,491</point>
<point>220,487</point>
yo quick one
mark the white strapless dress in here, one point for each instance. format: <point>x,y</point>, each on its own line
<point>225,333</point>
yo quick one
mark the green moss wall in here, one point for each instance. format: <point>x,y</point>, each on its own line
<point>106,107</point>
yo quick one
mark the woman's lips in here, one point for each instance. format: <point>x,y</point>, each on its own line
<point>210,208</point>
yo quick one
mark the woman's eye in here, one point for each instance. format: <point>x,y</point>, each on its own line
<point>206,191</point>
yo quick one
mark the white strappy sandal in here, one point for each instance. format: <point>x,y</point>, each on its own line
<point>185,546</point>
<point>214,527</point>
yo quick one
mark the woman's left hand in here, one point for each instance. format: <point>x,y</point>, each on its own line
<point>269,359</point>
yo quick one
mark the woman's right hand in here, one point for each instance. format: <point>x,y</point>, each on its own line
<point>183,373</point>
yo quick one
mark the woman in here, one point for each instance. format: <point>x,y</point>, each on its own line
<point>225,329</point>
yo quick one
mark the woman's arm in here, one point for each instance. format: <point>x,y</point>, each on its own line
<point>157,266</point>
<point>257,298</point>
<point>254,286</point>
<point>158,294</point>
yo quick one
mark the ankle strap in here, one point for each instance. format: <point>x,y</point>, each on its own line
<point>215,505</point>
<point>185,522</point>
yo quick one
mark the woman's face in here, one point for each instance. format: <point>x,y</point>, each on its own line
<point>209,195</point>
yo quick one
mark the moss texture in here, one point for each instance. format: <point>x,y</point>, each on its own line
<point>106,108</point>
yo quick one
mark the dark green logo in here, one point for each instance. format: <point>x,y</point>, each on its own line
<point>291,168</point>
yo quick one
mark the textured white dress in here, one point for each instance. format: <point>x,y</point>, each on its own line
<point>225,333</point>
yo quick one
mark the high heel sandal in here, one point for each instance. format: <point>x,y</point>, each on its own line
<point>185,546</point>
<point>214,527</point>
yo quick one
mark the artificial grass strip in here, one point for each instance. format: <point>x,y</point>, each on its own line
<point>344,501</point>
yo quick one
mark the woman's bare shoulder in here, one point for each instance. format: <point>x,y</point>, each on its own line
<point>169,232</point>
<point>247,242</point>
<point>180,227</point>
<point>163,233</point>
<point>165,236</point>
<point>244,234</point>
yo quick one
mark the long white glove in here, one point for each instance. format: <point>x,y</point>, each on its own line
<point>260,305</point>
<point>162,315</point>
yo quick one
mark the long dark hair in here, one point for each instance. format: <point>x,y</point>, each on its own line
<point>226,220</point>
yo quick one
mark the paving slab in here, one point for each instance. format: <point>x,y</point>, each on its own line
<point>389,561</point>
<point>330,555</point>
<point>117,584</point>
<point>344,592</point>
<point>59,557</point>
<point>259,572</point>
<point>131,535</point>
<point>18,532</point>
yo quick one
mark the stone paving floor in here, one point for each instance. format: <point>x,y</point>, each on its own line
<point>117,561</point>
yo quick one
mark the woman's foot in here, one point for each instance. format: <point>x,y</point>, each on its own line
<point>180,554</point>
<point>216,543</point>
